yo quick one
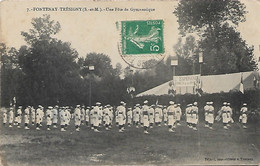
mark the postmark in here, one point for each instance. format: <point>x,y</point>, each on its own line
<point>142,42</point>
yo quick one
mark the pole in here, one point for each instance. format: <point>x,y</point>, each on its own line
<point>200,68</point>
<point>90,91</point>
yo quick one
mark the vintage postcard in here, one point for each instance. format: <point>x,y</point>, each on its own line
<point>150,82</point>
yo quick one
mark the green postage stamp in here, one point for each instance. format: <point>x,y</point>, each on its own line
<point>142,42</point>
<point>142,37</point>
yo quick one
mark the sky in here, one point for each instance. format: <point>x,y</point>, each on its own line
<point>95,31</point>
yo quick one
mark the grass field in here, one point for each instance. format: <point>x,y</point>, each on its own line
<point>185,146</point>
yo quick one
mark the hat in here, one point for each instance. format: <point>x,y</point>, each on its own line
<point>77,105</point>
<point>88,107</point>
<point>121,102</point>
<point>211,102</point>
<point>178,104</point>
<point>152,105</point>
<point>244,104</point>
<point>56,106</point>
<point>171,102</point>
<point>98,103</point>
<point>228,103</point>
<point>11,108</point>
<point>195,103</point>
<point>129,108</point>
<point>50,107</point>
<point>225,103</point>
<point>137,105</point>
<point>20,107</point>
<point>145,102</point>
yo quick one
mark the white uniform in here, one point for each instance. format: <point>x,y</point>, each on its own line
<point>178,113</point>
<point>229,113</point>
<point>96,117</point>
<point>210,114</point>
<point>91,115</point>
<point>121,115</point>
<point>26,116</point>
<point>4,116</point>
<point>151,116</point>
<point>77,115</point>
<point>33,115</point>
<point>136,115</point>
<point>106,117</point>
<point>49,116</point>
<point>165,115</point>
<point>87,115</point>
<point>194,114</point>
<point>225,118</point>
<point>206,109</point>
<point>38,116</point>
<point>145,116</point>
<point>171,115</point>
<point>129,116</point>
<point>82,115</point>
<point>41,115</point>
<point>158,115</point>
<point>54,116</point>
<point>243,112</point>
<point>19,116</point>
<point>62,118</point>
<point>11,117</point>
<point>188,114</point>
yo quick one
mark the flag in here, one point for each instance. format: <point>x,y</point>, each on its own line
<point>156,102</point>
<point>241,84</point>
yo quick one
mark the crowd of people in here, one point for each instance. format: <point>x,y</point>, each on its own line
<point>141,116</point>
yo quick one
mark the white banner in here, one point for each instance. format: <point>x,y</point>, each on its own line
<point>189,80</point>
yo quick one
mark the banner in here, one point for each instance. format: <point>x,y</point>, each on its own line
<point>189,80</point>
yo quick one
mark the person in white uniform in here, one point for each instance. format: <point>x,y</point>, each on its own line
<point>178,114</point>
<point>224,114</point>
<point>158,115</point>
<point>19,116</point>
<point>87,111</point>
<point>55,116</point>
<point>194,115</point>
<point>171,116</point>
<point>11,116</point>
<point>136,115</point>
<point>210,115</point>
<point>26,117</point>
<point>32,110</point>
<point>206,111</point>
<point>243,115</point>
<point>4,116</point>
<point>77,115</point>
<point>145,116</point>
<point>121,110</point>
<point>151,115</point>
<point>129,116</point>
<point>49,117</point>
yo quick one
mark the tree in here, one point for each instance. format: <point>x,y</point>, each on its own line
<point>51,71</point>
<point>215,23</point>
<point>187,54</point>
<point>11,74</point>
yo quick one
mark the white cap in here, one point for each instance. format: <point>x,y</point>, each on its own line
<point>121,102</point>
<point>171,102</point>
<point>244,104</point>
<point>145,102</point>
<point>195,103</point>
<point>98,103</point>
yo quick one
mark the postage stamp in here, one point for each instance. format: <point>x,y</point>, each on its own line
<point>142,42</point>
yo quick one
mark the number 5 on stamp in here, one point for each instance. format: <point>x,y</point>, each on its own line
<point>142,37</point>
